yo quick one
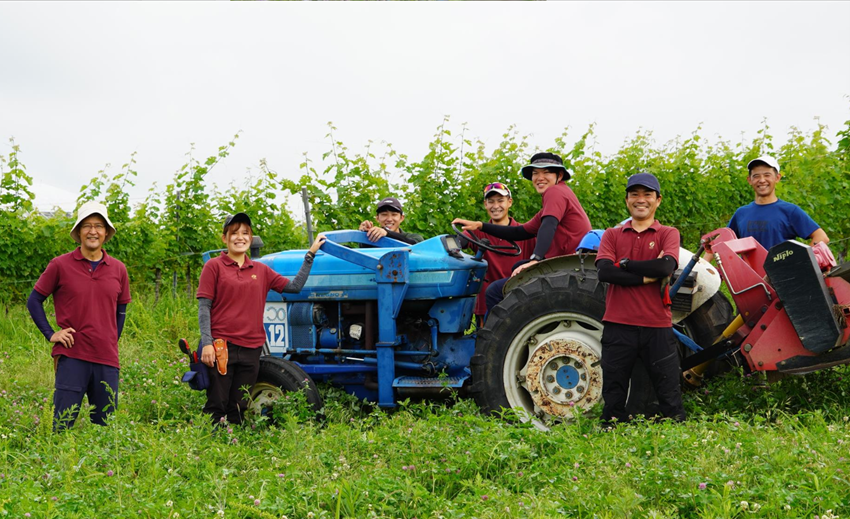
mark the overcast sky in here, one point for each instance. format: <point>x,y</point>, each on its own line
<point>86,84</point>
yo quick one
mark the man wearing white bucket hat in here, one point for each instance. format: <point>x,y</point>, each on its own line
<point>90,292</point>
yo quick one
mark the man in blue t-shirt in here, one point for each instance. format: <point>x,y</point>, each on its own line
<point>768,219</point>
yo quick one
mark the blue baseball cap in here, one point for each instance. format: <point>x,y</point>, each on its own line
<point>646,180</point>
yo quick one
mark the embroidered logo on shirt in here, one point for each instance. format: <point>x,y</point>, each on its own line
<point>253,276</point>
<point>652,245</point>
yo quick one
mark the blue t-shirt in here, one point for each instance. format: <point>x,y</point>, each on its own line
<point>772,223</point>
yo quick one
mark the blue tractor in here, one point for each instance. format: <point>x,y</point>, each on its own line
<point>388,321</point>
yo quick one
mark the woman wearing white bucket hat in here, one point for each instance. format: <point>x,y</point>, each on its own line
<point>90,292</point>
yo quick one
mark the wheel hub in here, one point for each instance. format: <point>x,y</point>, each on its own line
<point>263,396</point>
<point>563,376</point>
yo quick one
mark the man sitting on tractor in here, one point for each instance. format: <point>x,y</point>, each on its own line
<point>633,259</point>
<point>769,219</point>
<point>390,214</point>
<point>559,226</point>
<point>497,203</point>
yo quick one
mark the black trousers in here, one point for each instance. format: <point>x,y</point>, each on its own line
<point>225,395</point>
<point>657,348</point>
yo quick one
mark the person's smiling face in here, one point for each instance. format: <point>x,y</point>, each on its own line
<point>93,232</point>
<point>642,203</point>
<point>763,179</point>
<point>544,178</point>
<point>238,240</point>
<point>390,220</point>
<point>497,206</point>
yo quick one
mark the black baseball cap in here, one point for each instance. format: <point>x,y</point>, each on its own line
<point>646,180</point>
<point>237,218</point>
<point>390,203</point>
<point>545,160</point>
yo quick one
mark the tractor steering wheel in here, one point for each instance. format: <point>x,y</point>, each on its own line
<point>505,250</point>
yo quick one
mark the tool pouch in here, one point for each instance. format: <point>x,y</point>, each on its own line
<point>220,346</point>
<point>197,377</point>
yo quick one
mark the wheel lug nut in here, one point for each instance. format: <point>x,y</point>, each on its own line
<point>550,378</point>
<point>553,365</point>
<point>568,394</point>
<point>580,389</point>
<point>556,390</point>
<point>584,376</point>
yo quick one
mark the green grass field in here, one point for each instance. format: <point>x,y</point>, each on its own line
<point>748,449</point>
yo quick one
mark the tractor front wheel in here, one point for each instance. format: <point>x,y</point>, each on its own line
<point>278,377</point>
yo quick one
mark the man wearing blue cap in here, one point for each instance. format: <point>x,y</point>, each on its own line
<point>769,219</point>
<point>634,259</point>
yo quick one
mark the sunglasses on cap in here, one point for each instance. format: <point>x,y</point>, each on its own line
<point>499,187</point>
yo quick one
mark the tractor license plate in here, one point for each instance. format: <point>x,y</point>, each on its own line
<point>274,321</point>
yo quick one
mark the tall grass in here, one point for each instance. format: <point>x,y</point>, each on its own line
<point>748,449</point>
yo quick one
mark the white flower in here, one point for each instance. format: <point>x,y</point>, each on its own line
<point>745,505</point>
<point>169,503</point>
<point>220,513</point>
<point>756,507</point>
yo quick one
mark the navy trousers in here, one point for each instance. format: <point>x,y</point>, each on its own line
<point>494,295</point>
<point>77,378</point>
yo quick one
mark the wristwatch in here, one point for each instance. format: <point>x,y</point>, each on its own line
<point>535,257</point>
<point>624,263</point>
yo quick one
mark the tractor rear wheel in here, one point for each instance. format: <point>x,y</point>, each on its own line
<point>539,350</point>
<point>278,377</point>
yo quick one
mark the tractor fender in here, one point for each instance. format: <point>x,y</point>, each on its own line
<point>707,280</point>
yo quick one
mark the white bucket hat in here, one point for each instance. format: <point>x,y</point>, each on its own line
<point>86,210</point>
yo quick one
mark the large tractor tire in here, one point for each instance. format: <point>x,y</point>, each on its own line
<point>277,377</point>
<point>539,351</point>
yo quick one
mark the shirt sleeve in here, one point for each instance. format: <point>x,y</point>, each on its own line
<point>607,247</point>
<point>670,244</point>
<point>35,305</point>
<point>206,285</point>
<point>533,225</point>
<point>555,203</point>
<point>124,295</point>
<point>802,224</point>
<point>49,279</point>
<point>733,224</point>
<point>276,281</point>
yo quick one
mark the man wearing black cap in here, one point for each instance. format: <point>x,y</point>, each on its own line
<point>559,225</point>
<point>634,259</point>
<point>390,214</point>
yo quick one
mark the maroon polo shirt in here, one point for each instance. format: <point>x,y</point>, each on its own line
<point>498,265</point>
<point>560,201</point>
<point>238,297</point>
<point>87,302</point>
<point>639,305</point>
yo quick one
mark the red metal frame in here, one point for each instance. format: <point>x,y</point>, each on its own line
<point>768,335</point>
